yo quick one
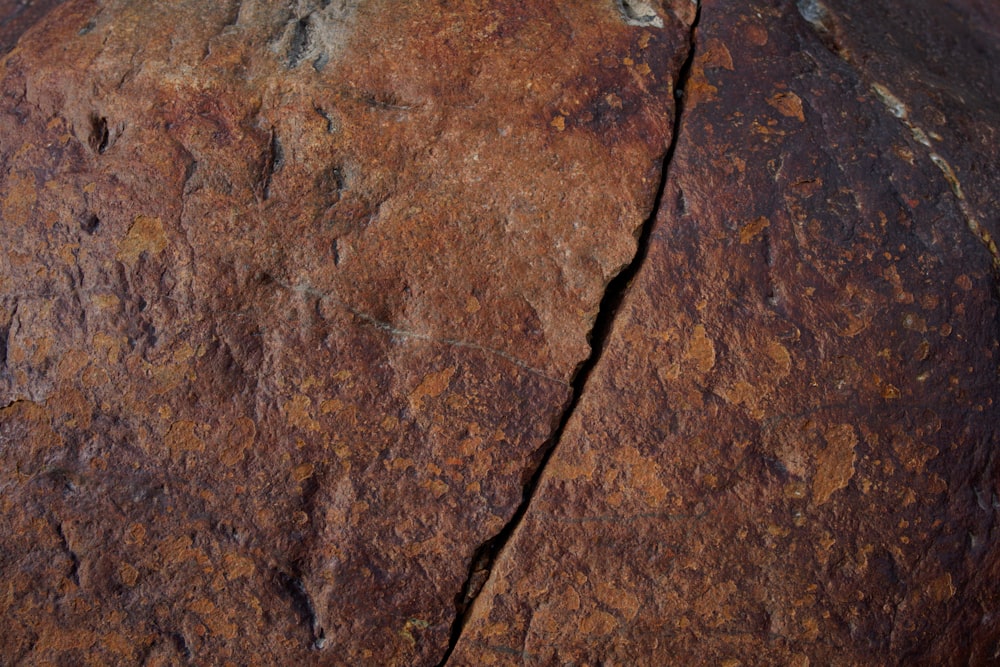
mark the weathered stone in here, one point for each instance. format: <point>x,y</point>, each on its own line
<point>787,452</point>
<point>291,298</point>
<point>16,16</point>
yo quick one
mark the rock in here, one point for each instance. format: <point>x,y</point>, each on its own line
<point>16,16</point>
<point>296,360</point>
<point>291,301</point>
<point>787,451</point>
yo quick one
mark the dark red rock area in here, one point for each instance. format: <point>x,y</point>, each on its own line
<point>16,16</point>
<point>295,300</point>
<point>787,452</point>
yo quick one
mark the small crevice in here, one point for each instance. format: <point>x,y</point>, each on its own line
<point>89,223</point>
<point>180,642</point>
<point>295,589</point>
<point>274,158</point>
<point>234,14</point>
<point>189,171</point>
<point>385,101</point>
<point>74,570</point>
<point>5,333</point>
<point>331,123</point>
<point>100,135</point>
<point>485,556</point>
<point>299,44</point>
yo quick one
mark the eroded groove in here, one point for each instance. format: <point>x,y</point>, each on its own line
<point>485,556</point>
<point>273,160</point>
<point>302,604</point>
<point>5,333</point>
<point>299,45</point>
<point>74,571</point>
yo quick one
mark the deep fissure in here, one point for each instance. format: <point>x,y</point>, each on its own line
<point>481,566</point>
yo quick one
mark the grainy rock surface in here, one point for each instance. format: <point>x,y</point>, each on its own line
<point>16,16</point>
<point>787,452</point>
<point>293,299</point>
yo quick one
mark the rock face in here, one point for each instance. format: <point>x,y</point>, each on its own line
<point>291,301</point>
<point>294,302</point>
<point>787,453</point>
<point>16,16</point>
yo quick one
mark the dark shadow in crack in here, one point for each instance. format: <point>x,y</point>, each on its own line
<point>485,556</point>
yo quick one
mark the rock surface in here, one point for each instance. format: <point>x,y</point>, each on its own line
<point>787,452</point>
<point>16,16</point>
<point>291,301</point>
<point>294,296</point>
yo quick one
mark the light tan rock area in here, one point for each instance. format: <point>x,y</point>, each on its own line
<point>499,332</point>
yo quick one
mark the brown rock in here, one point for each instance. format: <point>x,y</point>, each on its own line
<point>16,16</point>
<point>787,452</point>
<point>290,301</point>
<point>293,296</point>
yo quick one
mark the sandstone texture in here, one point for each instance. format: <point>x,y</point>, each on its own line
<point>292,296</point>
<point>787,453</point>
<point>16,16</point>
<point>359,332</point>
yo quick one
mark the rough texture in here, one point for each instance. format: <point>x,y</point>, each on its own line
<point>787,453</point>
<point>293,296</point>
<point>290,300</point>
<point>16,16</point>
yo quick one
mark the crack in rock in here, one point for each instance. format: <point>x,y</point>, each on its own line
<point>485,556</point>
